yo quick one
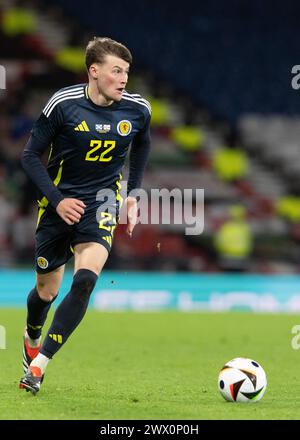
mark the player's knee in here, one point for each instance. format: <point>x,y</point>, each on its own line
<point>46,291</point>
<point>84,282</point>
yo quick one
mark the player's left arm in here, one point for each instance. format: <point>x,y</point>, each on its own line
<point>138,158</point>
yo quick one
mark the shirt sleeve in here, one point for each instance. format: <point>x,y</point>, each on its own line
<point>138,157</point>
<point>42,134</point>
<point>49,123</point>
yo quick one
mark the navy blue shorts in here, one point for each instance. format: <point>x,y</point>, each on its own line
<point>55,239</point>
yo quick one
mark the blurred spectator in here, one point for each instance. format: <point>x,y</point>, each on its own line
<point>160,112</point>
<point>189,138</point>
<point>230,163</point>
<point>22,121</point>
<point>233,241</point>
<point>17,20</point>
<point>7,210</point>
<point>289,208</point>
<point>71,58</point>
<point>23,230</point>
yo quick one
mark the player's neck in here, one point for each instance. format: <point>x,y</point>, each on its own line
<point>96,97</point>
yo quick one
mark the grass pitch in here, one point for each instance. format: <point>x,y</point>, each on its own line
<point>154,366</point>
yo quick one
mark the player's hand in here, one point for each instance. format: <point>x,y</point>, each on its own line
<point>132,210</point>
<point>70,210</point>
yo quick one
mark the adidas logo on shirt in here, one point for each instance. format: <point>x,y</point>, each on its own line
<point>82,127</point>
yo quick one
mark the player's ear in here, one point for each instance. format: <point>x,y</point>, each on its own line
<point>93,71</point>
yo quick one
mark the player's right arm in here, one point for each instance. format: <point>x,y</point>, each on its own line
<point>42,134</point>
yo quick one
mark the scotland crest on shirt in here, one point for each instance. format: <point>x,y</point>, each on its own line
<point>124,127</point>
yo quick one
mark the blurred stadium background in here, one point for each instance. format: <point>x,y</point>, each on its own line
<point>225,119</point>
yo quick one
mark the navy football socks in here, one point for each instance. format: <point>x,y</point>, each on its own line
<point>37,310</point>
<point>70,312</point>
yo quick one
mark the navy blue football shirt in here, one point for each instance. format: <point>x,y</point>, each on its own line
<point>89,144</point>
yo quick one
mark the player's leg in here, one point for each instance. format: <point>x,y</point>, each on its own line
<point>38,305</point>
<point>53,238</point>
<point>39,302</point>
<point>89,261</point>
<point>40,299</point>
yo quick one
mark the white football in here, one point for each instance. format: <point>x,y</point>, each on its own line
<point>242,380</point>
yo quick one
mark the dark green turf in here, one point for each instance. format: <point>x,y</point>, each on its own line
<point>154,366</point>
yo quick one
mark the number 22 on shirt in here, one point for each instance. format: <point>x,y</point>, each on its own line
<point>100,151</point>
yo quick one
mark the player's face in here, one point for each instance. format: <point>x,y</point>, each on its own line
<point>112,77</point>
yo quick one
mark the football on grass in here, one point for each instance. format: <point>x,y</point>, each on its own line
<point>242,380</point>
